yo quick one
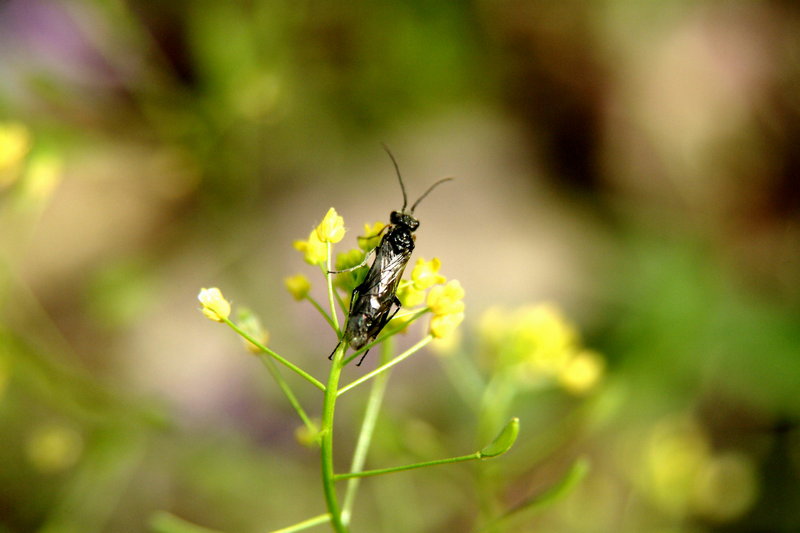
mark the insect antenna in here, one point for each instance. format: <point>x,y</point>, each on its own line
<point>426,193</point>
<point>399,177</point>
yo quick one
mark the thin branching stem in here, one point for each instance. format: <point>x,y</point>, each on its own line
<point>379,471</point>
<point>287,391</point>
<point>308,377</point>
<point>383,368</point>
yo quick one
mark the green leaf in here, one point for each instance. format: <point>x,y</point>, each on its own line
<point>504,441</point>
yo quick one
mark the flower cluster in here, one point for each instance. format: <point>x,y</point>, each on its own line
<point>427,291</point>
<point>540,346</point>
<point>447,305</point>
<point>677,468</point>
<point>443,301</point>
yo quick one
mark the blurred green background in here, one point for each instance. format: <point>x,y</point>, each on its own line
<point>636,163</point>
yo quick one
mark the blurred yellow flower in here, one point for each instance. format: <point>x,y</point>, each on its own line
<point>444,325</point>
<point>214,305</point>
<point>298,286</point>
<point>540,346</point>
<point>426,274</point>
<point>680,473</point>
<point>307,437</point>
<point>15,142</point>
<point>675,450</point>
<point>548,333</point>
<point>315,252</point>
<point>581,372</point>
<point>725,487</point>
<point>371,237</point>
<point>42,176</point>
<point>446,299</point>
<point>493,326</point>
<point>331,229</point>
<point>251,325</point>
<point>53,448</point>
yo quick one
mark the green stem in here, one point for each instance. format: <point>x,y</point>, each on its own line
<point>287,391</point>
<point>383,368</point>
<point>329,279</point>
<point>311,379</point>
<point>326,443</point>
<point>305,524</point>
<point>379,471</point>
<point>371,412</point>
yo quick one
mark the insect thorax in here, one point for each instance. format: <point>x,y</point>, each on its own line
<point>401,239</point>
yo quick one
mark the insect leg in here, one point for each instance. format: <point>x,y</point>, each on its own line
<point>361,264</point>
<point>336,348</point>
<point>367,237</point>
<point>362,357</point>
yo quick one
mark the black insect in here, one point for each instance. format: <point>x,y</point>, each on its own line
<point>374,302</point>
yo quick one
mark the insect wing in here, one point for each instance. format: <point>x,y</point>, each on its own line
<point>385,273</point>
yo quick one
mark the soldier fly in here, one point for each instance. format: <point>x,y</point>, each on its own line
<point>374,302</point>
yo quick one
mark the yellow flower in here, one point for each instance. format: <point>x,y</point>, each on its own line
<point>314,251</point>
<point>445,303</point>
<point>251,325</point>
<point>371,237</point>
<point>331,229</point>
<point>582,372</point>
<point>15,142</point>
<point>446,299</point>
<point>444,325</point>
<point>409,295</point>
<point>215,306</point>
<point>298,286</point>
<point>426,274</point>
